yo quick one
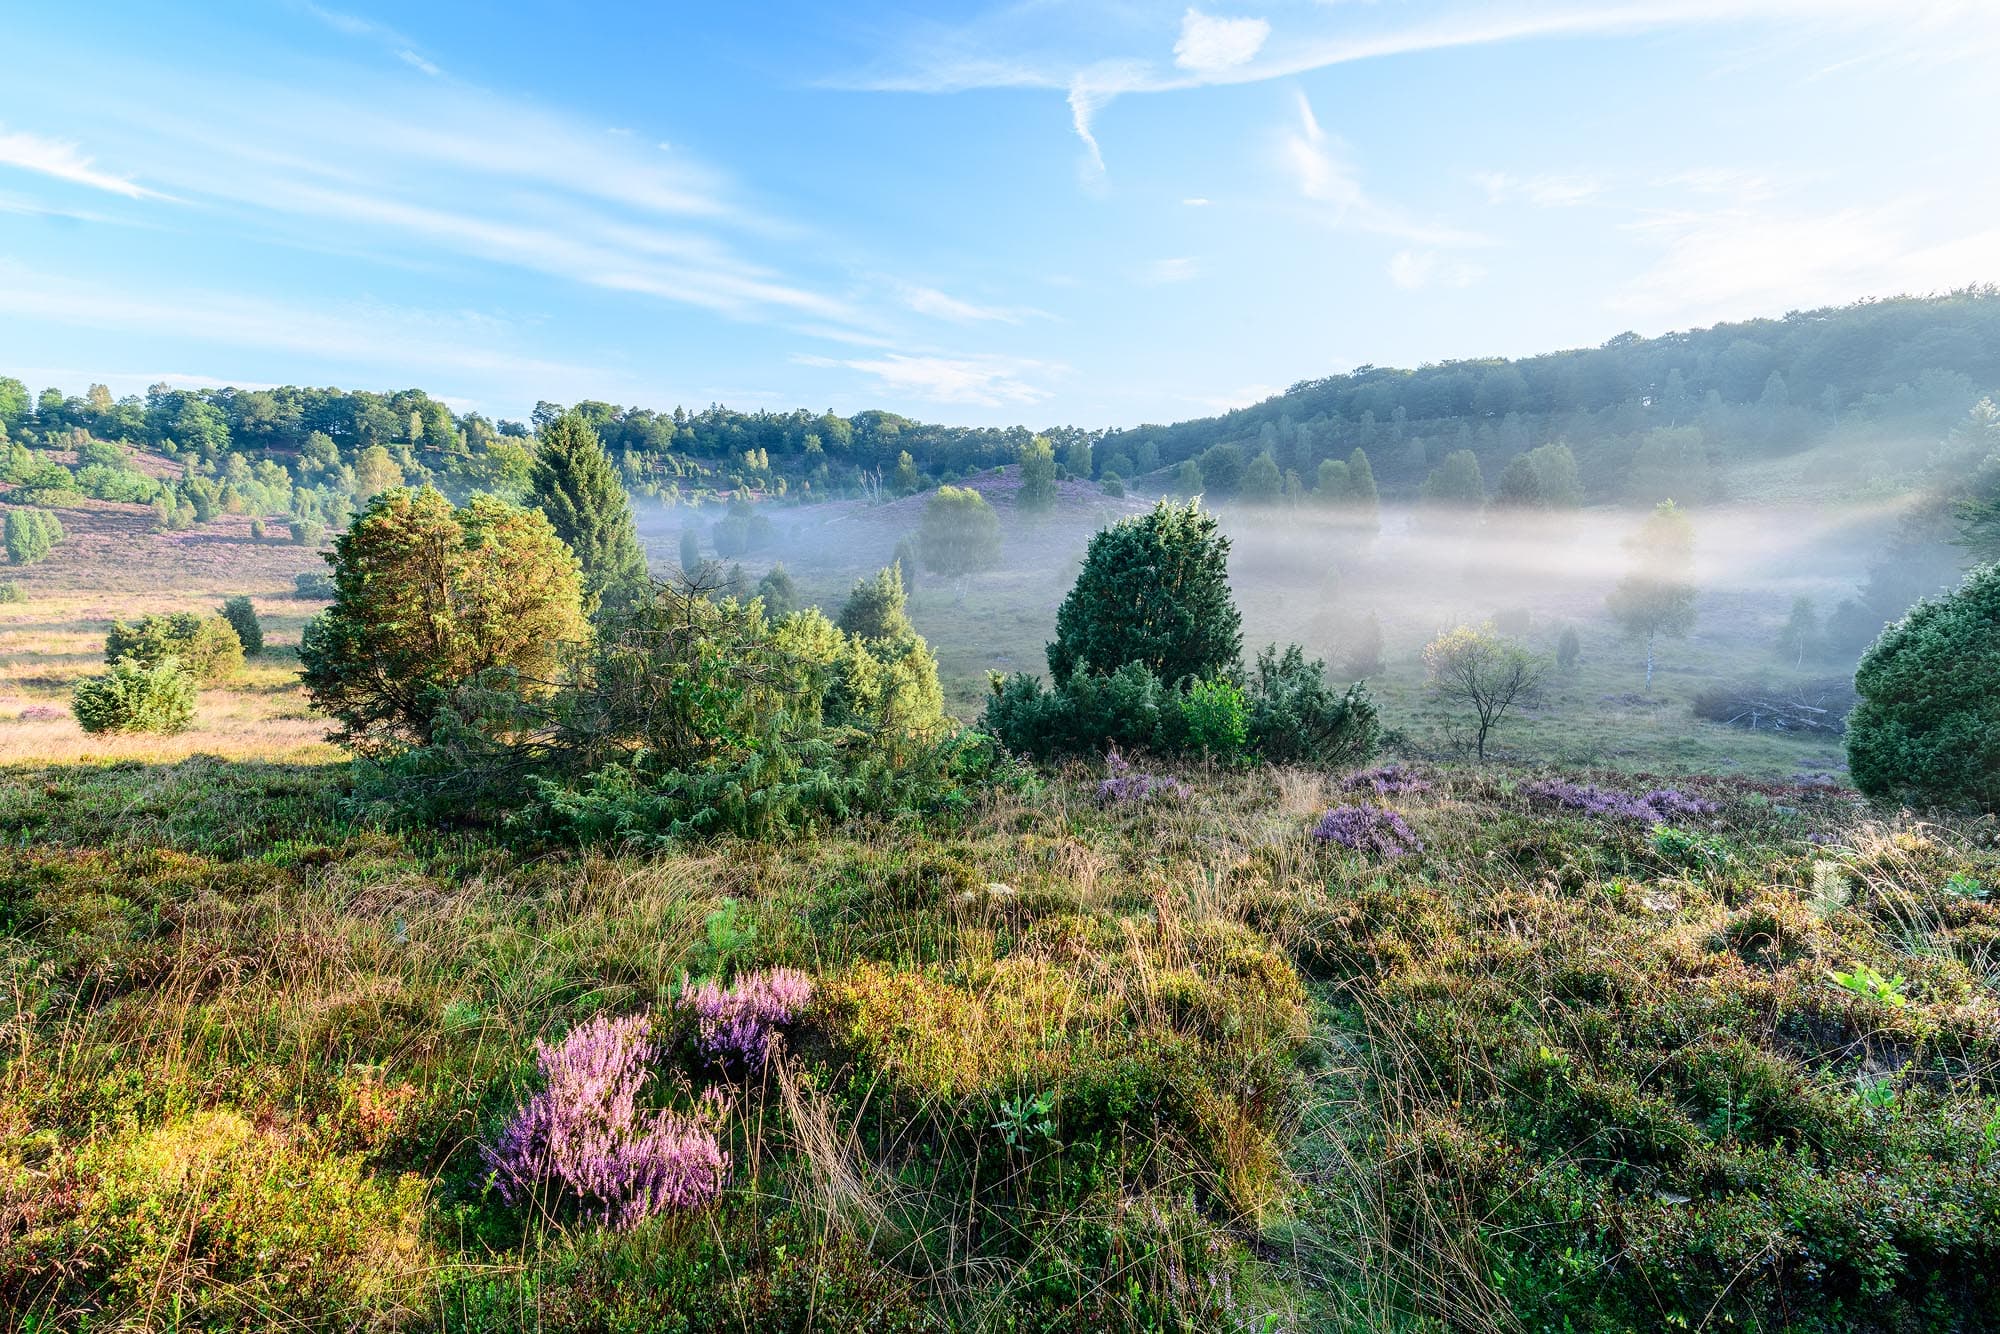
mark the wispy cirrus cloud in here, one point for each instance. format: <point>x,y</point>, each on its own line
<point>1323,176</point>
<point>362,334</point>
<point>1143,50</point>
<point>974,381</point>
<point>354,25</point>
<point>944,306</point>
<point>65,161</point>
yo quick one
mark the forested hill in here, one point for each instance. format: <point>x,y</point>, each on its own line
<point>1640,419</point>
<point>1756,388</point>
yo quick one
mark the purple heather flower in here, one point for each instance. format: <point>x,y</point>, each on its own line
<point>1125,786</point>
<point>737,1025</point>
<point>1655,807</point>
<point>1367,829</point>
<point>1385,780</point>
<point>584,1131</point>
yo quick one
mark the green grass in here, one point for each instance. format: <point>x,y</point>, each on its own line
<point>1548,1073</point>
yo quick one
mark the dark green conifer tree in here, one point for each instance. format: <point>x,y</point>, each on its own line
<point>576,485</point>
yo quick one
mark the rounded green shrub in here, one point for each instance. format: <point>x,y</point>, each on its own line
<point>207,646</point>
<point>31,534</point>
<point>242,618</point>
<point>1927,729</point>
<point>137,697</point>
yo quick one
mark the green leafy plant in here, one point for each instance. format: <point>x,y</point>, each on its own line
<point>1864,980</point>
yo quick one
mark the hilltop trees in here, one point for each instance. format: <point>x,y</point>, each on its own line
<point>427,598</point>
<point>1927,729</point>
<point>575,485</point>
<point>960,535</point>
<point>1657,597</point>
<point>1154,590</point>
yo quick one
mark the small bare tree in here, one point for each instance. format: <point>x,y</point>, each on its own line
<point>1476,668</point>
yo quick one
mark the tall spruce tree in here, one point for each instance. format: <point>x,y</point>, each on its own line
<point>574,483</point>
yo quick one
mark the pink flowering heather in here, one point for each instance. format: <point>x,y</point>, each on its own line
<point>1655,807</point>
<point>736,1026</point>
<point>1367,829</point>
<point>1385,780</point>
<point>585,1133</point>
<point>1127,786</point>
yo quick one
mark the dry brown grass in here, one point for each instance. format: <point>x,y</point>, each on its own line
<point>113,566</point>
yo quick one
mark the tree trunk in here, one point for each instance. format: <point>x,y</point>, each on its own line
<point>1649,662</point>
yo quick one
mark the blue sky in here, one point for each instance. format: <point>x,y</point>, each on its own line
<point>1039,212</point>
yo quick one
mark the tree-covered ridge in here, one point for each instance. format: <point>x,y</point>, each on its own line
<point>1646,418</point>
<point>1758,386</point>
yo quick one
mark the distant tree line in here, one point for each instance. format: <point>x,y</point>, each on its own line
<point>1647,419</point>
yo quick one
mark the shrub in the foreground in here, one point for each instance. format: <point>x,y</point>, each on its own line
<point>137,697</point>
<point>1209,719</point>
<point>11,592</point>
<point>1296,717</point>
<point>736,1025</point>
<point>1286,714</point>
<point>428,598</point>
<point>1927,729</point>
<point>1153,590</point>
<point>584,1137</point>
<point>242,618</point>
<point>206,645</point>
<point>31,534</point>
<point>688,717</point>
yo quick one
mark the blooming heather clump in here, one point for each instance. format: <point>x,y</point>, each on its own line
<point>1126,786</point>
<point>1367,829</point>
<point>1385,780</point>
<point>737,1025</point>
<point>584,1132</point>
<point>1655,807</point>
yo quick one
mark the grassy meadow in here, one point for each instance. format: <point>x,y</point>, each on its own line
<point>1070,1063</point>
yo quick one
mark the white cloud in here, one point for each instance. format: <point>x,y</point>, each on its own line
<point>1738,262</point>
<point>388,38</point>
<point>979,381</point>
<point>54,157</point>
<point>942,305</point>
<point>1413,270</point>
<point>1196,202</point>
<point>1020,46</point>
<point>1179,269</point>
<point>1208,43</point>
<point>1324,178</point>
<point>1547,190</point>
<point>361,334</point>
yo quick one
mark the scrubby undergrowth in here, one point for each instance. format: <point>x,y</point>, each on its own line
<point>1074,1063</point>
